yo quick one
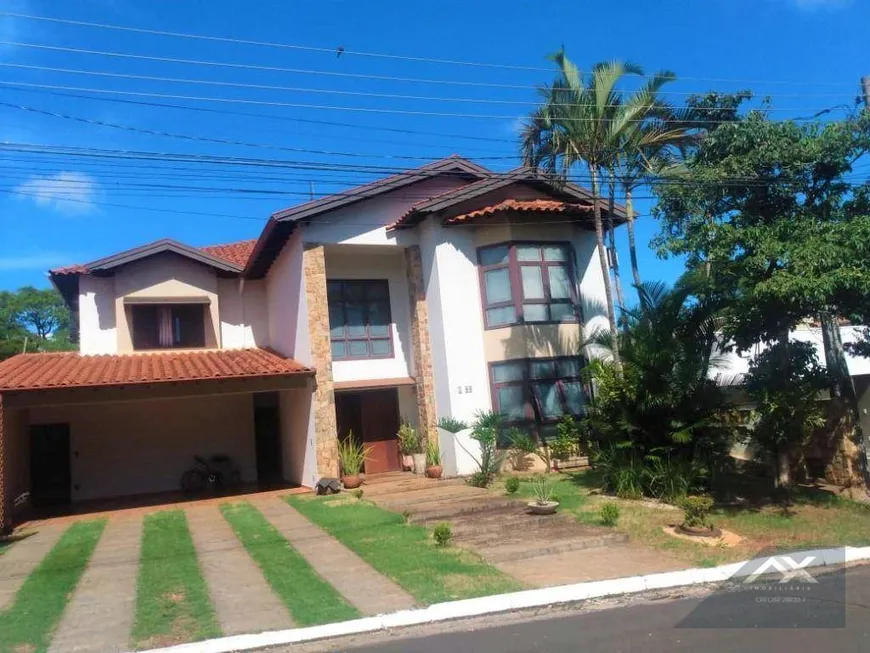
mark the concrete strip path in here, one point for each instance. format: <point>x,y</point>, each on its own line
<point>23,557</point>
<point>243,600</point>
<point>366,589</point>
<point>99,616</point>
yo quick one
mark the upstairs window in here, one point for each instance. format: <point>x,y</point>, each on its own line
<point>359,319</point>
<point>168,326</point>
<point>527,283</point>
<point>537,391</point>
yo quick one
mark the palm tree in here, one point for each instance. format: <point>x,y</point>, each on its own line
<point>580,122</point>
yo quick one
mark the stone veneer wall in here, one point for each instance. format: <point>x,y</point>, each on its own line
<point>325,427</point>
<point>833,449</point>
<point>425,386</point>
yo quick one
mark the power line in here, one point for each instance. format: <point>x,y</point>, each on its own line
<point>360,53</point>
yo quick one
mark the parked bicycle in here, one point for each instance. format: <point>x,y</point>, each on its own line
<point>215,472</point>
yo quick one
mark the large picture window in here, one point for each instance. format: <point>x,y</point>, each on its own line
<point>527,283</point>
<point>168,326</point>
<point>537,391</point>
<point>359,319</point>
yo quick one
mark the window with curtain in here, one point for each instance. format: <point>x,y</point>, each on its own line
<point>527,283</point>
<point>360,325</point>
<point>168,326</point>
<point>537,391</point>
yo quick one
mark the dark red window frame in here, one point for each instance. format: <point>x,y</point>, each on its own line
<point>187,323</point>
<point>517,300</point>
<point>341,302</point>
<point>532,409</point>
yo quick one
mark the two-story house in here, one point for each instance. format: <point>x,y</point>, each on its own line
<point>440,291</point>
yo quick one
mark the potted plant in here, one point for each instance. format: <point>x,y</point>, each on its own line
<point>433,459</point>
<point>543,503</point>
<point>409,443</point>
<point>352,457</point>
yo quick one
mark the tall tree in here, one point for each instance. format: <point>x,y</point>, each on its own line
<point>580,123</point>
<point>33,320</point>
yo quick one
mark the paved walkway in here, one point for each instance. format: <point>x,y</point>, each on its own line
<point>243,600</point>
<point>99,617</point>
<point>366,589</point>
<point>22,558</point>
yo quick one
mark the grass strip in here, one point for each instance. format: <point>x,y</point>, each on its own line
<point>172,600</point>
<point>28,623</point>
<point>405,552</point>
<point>309,598</point>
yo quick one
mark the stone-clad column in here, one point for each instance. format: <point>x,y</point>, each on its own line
<point>325,428</point>
<point>427,414</point>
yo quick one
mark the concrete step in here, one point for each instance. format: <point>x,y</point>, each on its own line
<point>525,550</point>
<point>422,499</point>
<point>410,484</point>
<point>523,533</point>
<point>507,521</point>
<point>453,509</point>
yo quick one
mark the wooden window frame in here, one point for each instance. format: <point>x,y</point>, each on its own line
<point>514,267</point>
<point>533,413</point>
<point>368,337</point>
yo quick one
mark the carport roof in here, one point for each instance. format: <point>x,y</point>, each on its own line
<point>72,370</point>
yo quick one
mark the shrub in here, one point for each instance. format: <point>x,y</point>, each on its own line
<point>433,452</point>
<point>409,440</point>
<point>406,516</point>
<point>487,427</point>
<point>521,446</point>
<point>626,475</point>
<point>479,479</point>
<point>443,533</point>
<point>697,511</point>
<point>452,425</point>
<point>567,440</point>
<point>609,514</point>
<point>511,484</point>
<point>358,493</point>
<point>352,455</point>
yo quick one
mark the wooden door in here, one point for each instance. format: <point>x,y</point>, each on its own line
<point>49,465</point>
<point>380,422</point>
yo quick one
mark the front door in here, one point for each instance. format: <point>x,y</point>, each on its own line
<point>371,417</point>
<point>380,423</point>
<point>49,465</point>
<point>267,436</point>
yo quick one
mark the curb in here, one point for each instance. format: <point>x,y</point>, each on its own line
<point>537,598</point>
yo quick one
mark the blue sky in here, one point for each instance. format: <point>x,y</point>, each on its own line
<point>57,209</point>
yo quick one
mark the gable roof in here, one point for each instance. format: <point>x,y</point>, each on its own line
<point>523,175</point>
<point>237,253</point>
<point>523,206</point>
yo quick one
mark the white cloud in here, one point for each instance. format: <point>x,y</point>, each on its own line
<point>35,261</point>
<point>71,193</point>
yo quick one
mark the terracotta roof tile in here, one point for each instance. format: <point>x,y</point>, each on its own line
<point>523,206</point>
<point>236,253</point>
<point>72,370</point>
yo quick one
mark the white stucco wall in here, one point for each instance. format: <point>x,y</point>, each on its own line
<point>365,223</point>
<point>243,313</point>
<point>455,320</point>
<point>139,447</point>
<point>299,463</point>
<point>97,324</point>
<point>286,305</point>
<point>376,263</point>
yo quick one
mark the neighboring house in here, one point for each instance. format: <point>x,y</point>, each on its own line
<point>437,292</point>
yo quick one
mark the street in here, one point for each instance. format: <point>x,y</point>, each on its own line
<point>648,627</point>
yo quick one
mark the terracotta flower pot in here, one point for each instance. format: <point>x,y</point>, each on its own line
<point>434,471</point>
<point>407,462</point>
<point>351,482</point>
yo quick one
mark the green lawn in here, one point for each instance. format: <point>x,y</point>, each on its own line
<point>172,601</point>
<point>28,623</point>
<point>814,519</point>
<point>309,598</point>
<point>404,552</point>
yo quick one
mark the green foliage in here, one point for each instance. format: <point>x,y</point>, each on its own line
<point>452,425</point>
<point>661,413</point>
<point>486,430</point>
<point>352,455</point>
<point>409,439</point>
<point>784,382</point>
<point>442,533</point>
<point>36,317</point>
<point>542,489</point>
<point>406,516</point>
<point>433,452</point>
<point>697,511</point>
<point>567,440</point>
<point>521,446</point>
<point>609,514</point>
<point>511,484</point>
<point>358,493</point>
